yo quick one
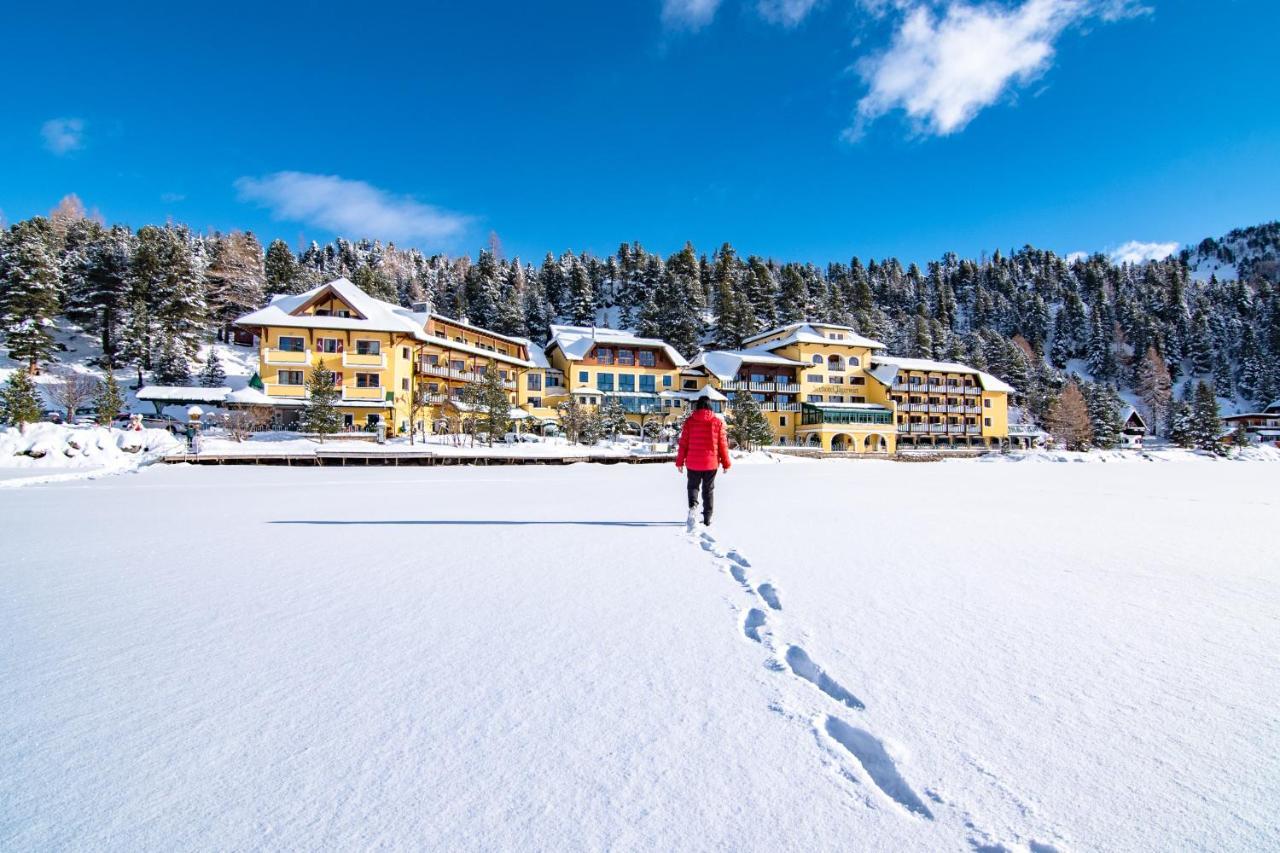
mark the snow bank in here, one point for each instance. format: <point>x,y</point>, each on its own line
<point>1250,454</point>
<point>85,450</point>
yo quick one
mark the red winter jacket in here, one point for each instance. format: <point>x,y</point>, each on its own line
<point>703,443</point>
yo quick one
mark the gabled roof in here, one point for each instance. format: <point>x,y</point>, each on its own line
<point>537,357</point>
<point>1130,413</point>
<point>375,315</point>
<point>724,364</point>
<point>576,341</point>
<point>807,333</point>
<point>986,380</point>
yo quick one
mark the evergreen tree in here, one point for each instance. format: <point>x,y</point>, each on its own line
<point>1180,422</point>
<point>1104,406</point>
<point>580,306</point>
<point>20,403</point>
<point>1240,437</point>
<point>235,279</point>
<point>1206,425</point>
<point>1068,420</point>
<point>108,401</point>
<point>573,419</point>
<point>490,403</point>
<point>212,375</point>
<point>1102,359</point>
<point>29,291</point>
<point>96,277</point>
<point>171,365</point>
<point>281,271</point>
<point>612,417</point>
<point>484,290</point>
<point>1154,386</point>
<point>321,415</point>
<point>747,424</point>
<point>374,282</point>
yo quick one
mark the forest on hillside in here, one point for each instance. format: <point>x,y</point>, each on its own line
<point>1037,320</point>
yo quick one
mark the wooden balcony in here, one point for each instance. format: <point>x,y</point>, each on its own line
<point>280,356</point>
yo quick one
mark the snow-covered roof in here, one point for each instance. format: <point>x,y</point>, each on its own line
<point>725,364</point>
<point>1130,413</point>
<point>182,394</point>
<point>514,413</point>
<point>248,396</point>
<point>537,357</point>
<point>576,341</point>
<point>986,380</point>
<point>374,314</point>
<point>807,333</point>
<point>708,392</point>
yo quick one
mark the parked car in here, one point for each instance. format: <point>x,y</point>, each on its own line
<point>53,416</point>
<point>168,422</point>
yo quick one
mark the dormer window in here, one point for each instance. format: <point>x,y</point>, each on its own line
<point>604,356</point>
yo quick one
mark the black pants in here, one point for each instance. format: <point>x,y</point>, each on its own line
<point>706,481</point>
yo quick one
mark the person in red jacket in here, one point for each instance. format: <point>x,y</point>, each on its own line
<point>703,449</point>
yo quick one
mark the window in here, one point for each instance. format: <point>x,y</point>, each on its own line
<point>404,352</point>
<point>817,359</point>
<point>857,399</point>
<point>604,356</point>
<point>368,380</point>
<point>583,376</point>
<point>836,398</point>
<point>646,358</point>
<point>987,403</point>
<point>604,381</point>
<point>814,377</point>
<point>666,382</point>
<point>457,364</point>
<point>322,312</point>
<point>337,380</point>
<point>433,359</point>
<point>626,382</point>
<point>368,348</point>
<point>404,384</point>
<point>814,398</point>
<point>553,381</point>
<point>782,421</point>
<point>626,357</point>
<point>835,362</point>
<point>835,380</point>
<point>857,380</point>
<point>535,402</point>
<point>342,312</point>
<point>914,380</point>
<point>348,421</point>
<point>433,387</point>
<point>289,377</point>
<point>648,384</point>
<point>854,361</point>
<point>534,382</point>
<point>292,345</point>
<point>330,345</point>
<point>759,377</point>
<point>986,421</point>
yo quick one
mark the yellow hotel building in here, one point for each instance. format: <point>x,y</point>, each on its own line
<point>820,385</point>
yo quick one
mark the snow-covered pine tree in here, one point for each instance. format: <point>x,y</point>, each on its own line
<point>321,415</point>
<point>510,318</point>
<point>212,374</point>
<point>573,419</point>
<point>580,304</point>
<point>179,309</point>
<point>281,271</point>
<point>747,424</point>
<point>235,279</point>
<point>1104,406</point>
<point>1206,425</point>
<point>490,404</point>
<point>1102,359</point>
<point>108,402</point>
<point>1068,420</point>
<point>612,417</point>
<point>484,286</point>
<point>20,402</point>
<point>30,287</point>
<point>171,364</point>
<point>97,284</point>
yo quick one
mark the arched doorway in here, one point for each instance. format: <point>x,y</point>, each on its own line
<point>841,443</point>
<point>875,444</point>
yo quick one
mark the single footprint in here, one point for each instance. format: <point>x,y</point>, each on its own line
<point>867,749</point>
<point>752,624</point>
<point>802,665</point>
<point>770,595</point>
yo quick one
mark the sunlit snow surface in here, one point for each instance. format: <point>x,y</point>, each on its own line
<point>945,656</point>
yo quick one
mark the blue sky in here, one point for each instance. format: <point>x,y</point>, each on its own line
<point>792,128</point>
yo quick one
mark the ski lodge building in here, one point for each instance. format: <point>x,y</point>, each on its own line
<point>820,385</point>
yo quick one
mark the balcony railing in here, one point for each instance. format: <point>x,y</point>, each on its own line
<point>935,409</point>
<point>280,356</point>
<point>274,390</point>
<point>350,393</point>
<point>904,427</point>
<point>788,407</point>
<point>955,410</point>
<point>955,429</point>
<point>355,359</point>
<point>739,385</point>
<point>768,407</point>
<point>972,389</point>
<point>937,428</point>
<point>973,430</point>
<point>788,387</point>
<point>917,407</point>
<point>972,410</point>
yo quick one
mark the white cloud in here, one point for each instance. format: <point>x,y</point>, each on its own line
<point>942,71</point>
<point>353,208</point>
<point>1072,257</point>
<point>788,13</point>
<point>688,14</point>
<point>1135,252</point>
<point>63,135</point>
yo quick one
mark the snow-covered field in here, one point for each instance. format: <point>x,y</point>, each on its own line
<point>867,656</point>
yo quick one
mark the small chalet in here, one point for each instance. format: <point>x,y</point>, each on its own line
<point>1134,430</point>
<point>1262,427</point>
